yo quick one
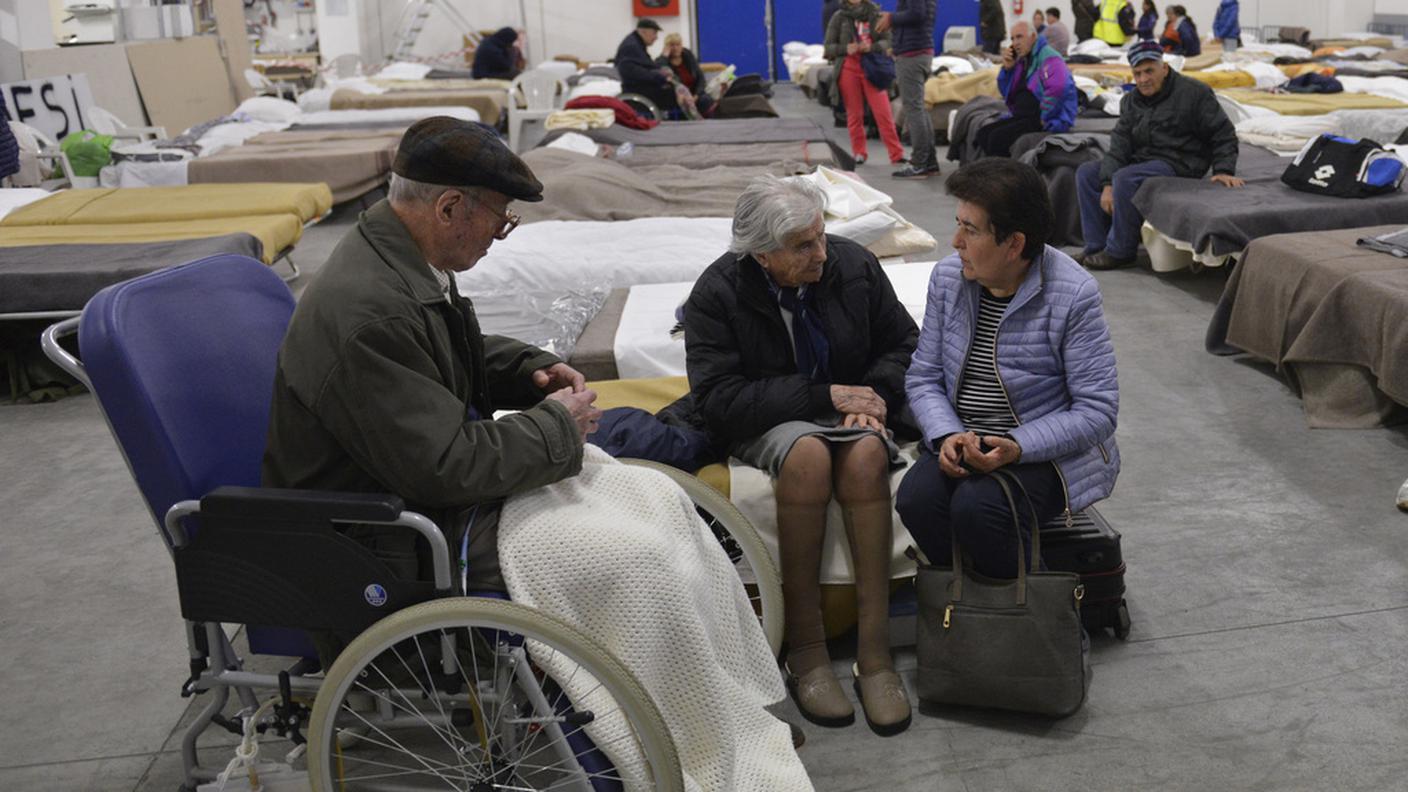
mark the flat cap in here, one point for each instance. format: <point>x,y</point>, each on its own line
<point>1145,50</point>
<point>456,153</point>
<point>648,24</point>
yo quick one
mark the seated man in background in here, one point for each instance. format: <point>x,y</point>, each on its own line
<point>1056,32</point>
<point>1039,91</point>
<point>498,56</point>
<point>639,72</point>
<point>1039,399</point>
<point>386,384</point>
<point>685,67</point>
<point>1170,125</point>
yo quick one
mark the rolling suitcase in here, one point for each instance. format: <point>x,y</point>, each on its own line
<point>1090,548</point>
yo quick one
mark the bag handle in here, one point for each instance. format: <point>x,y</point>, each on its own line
<point>1031,509</point>
<point>957,557</point>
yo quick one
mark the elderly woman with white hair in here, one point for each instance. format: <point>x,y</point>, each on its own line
<point>796,352</point>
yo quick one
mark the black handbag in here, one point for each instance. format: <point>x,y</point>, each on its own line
<point>879,69</point>
<point>1003,644</point>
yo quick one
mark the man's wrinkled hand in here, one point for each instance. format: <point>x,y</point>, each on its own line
<point>1107,200</point>
<point>580,405</point>
<point>858,399</point>
<point>883,24</point>
<point>1226,180</point>
<point>558,376</point>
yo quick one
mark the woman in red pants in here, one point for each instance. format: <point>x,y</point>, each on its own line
<point>851,34</point>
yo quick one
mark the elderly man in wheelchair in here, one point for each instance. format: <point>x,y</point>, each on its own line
<point>630,656</point>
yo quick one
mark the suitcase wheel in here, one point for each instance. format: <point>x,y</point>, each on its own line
<point>1121,626</point>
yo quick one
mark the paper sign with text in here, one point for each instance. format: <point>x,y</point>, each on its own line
<point>55,106</point>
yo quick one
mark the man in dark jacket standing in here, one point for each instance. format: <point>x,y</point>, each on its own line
<point>385,382</point>
<point>992,25</point>
<point>1169,125</point>
<point>639,73</point>
<point>912,41</point>
<point>1084,13</point>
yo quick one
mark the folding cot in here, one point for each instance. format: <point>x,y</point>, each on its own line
<point>1330,315</point>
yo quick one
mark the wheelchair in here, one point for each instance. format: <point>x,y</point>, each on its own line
<point>436,691</point>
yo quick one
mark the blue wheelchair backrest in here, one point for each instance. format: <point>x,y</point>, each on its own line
<point>182,362</point>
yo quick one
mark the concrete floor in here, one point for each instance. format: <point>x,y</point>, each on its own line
<point>1269,648</point>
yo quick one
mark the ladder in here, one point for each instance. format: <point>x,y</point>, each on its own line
<point>413,20</point>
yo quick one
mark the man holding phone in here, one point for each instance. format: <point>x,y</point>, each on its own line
<point>1039,91</point>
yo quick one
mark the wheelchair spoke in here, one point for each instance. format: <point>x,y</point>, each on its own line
<point>409,708</point>
<point>406,751</point>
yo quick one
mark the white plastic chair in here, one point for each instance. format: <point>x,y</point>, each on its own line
<point>264,86</point>
<point>540,91</point>
<point>105,123</point>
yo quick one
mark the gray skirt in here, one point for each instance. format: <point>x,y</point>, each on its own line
<point>768,450</point>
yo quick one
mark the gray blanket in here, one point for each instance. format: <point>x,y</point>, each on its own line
<point>64,277</point>
<point>709,155</point>
<point>1056,158</point>
<point>1332,316</point>
<point>578,187</point>
<point>1214,218</point>
<point>739,130</point>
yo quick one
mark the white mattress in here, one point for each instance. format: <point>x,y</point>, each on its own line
<point>645,348</point>
<point>12,198</point>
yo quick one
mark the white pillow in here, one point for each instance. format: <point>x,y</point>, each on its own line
<point>269,109</point>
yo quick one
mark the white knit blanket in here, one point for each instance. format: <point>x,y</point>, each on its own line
<point>619,552</point>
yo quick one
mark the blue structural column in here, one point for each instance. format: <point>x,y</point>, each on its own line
<point>735,31</point>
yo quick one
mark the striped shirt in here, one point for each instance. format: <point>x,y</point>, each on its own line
<point>982,403</point>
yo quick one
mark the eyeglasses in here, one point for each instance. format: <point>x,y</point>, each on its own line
<point>507,221</point>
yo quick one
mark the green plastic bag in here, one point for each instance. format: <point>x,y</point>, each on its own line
<point>87,151</point>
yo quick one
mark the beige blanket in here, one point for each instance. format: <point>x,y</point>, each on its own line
<point>949,88</point>
<point>489,103</point>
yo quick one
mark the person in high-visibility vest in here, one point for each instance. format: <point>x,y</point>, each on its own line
<point>1111,27</point>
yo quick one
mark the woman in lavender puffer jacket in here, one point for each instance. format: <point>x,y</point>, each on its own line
<point>1014,369</point>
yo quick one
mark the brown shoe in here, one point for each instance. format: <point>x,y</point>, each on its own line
<point>884,701</point>
<point>820,698</point>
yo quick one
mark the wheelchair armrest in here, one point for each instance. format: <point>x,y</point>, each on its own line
<point>262,503</point>
<point>253,505</point>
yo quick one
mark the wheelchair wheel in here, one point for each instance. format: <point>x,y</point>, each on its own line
<point>452,695</point>
<point>742,543</point>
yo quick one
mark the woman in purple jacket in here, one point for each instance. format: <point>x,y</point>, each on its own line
<point>1014,369</point>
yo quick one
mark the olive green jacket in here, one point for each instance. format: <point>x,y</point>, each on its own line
<point>384,385</point>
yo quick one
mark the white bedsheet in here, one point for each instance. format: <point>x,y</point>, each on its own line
<point>1387,87</point>
<point>12,198</point>
<point>384,115</point>
<point>539,285</point>
<point>643,346</point>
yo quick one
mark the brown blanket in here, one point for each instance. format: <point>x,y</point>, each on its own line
<point>489,103</point>
<point>578,187</point>
<point>350,162</point>
<point>1332,315</point>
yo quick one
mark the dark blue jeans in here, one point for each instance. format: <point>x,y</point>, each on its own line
<point>932,506</point>
<point>1118,236</point>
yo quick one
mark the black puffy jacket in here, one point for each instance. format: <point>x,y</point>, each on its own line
<point>1182,125</point>
<point>739,356</point>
